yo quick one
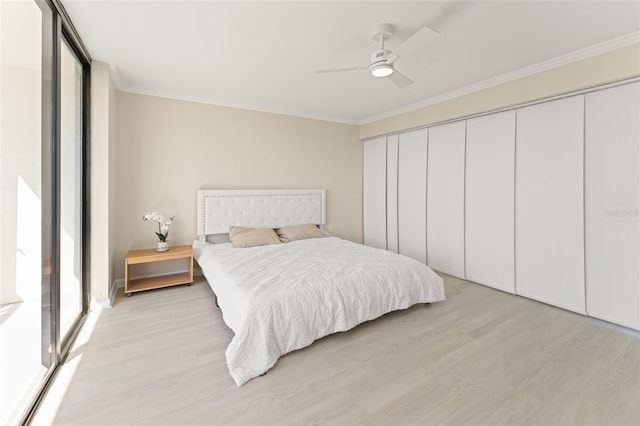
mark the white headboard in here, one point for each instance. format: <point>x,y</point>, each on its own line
<point>273,208</point>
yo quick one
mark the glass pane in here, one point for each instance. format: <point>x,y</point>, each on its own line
<point>70,190</point>
<point>25,311</point>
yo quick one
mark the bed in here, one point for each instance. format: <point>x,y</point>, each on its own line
<point>278,298</point>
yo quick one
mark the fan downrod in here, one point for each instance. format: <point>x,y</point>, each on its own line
<point>382,32</point>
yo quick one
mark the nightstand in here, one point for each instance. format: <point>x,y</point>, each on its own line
<point>137,257</point>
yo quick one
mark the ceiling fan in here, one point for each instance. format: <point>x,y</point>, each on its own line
<point>382,60</point>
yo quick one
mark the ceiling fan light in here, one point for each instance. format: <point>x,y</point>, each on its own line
<point>382,70</point>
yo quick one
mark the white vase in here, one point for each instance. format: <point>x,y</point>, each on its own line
<point>162,246</point>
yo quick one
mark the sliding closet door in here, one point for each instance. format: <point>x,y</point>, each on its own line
<point>375,202</point>
<point>392,193</point>
<point>412,192</point>
<point>445,199</point>
<point>489,200</point>
<point>549,203</point>
<point>612,189</point>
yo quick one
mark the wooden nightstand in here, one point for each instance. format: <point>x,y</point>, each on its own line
<point>135,257</point>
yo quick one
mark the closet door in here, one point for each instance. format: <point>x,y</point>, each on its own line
<point>412,191</point>
<point>549,203</point>
<point>445,199</point>
<point>612,188</point>
<point>392,193</point>
<point>375,202</point>
<point>489,200</point>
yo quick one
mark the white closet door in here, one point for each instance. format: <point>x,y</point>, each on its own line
<point>392,193</point>
<point>412,192</point>
<point>549,203</point>
<point>612,189</point>
<point>489,200</point>
<point>375,201</point>
<point>445,199</point>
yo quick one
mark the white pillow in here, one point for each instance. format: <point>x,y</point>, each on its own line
<point>300,232</point>
<point>242,237</point>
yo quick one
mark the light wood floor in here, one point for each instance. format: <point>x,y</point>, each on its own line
<point>481,357</point>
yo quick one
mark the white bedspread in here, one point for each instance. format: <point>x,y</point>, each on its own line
<point>282,297</point>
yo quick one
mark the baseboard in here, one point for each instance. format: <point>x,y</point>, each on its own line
<point>118,283</point>
<point>107,302</point>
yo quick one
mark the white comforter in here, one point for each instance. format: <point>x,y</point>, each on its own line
<point>282,297</point>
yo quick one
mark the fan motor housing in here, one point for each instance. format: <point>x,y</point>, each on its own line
<point>380,56</point>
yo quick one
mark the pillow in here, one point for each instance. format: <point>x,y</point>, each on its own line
<point>242,237</point>
<point>300,232</point>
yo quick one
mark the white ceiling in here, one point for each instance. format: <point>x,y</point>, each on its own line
<point>262,55</point>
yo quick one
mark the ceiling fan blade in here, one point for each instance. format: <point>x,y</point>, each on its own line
<point>340,70</point>
<point>400,79</point>
<point>423,36</point>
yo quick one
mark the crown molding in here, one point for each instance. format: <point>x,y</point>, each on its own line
<point>115,76</point>
<point>202,100</point>
<point>575,56</point>
<point>117,82</point>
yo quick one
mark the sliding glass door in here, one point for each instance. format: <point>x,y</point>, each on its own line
<point>25,203</point>
<point>70,189</point>
<point>42,139</point>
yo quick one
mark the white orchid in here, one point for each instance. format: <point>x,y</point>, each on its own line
<point>163,224</point>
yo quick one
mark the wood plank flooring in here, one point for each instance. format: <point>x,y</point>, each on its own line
<point>482,357</point>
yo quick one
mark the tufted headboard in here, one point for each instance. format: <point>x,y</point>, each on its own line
<point>218,209</point>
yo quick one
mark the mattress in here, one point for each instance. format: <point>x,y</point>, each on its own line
<point>282,297</point>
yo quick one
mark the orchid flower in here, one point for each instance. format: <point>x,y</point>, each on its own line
<point>163,224</point>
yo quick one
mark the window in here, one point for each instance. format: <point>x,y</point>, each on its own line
<point>43,294</point>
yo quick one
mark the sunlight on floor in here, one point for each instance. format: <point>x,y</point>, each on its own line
<point>51,404</point>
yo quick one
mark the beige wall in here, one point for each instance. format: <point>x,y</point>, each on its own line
<point>102,181</point>
<point>608,67</point>
<point>167,149</point>
<point>113,131</point>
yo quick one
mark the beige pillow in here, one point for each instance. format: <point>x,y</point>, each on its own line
<point>299,232</point>
<point>250,237</point>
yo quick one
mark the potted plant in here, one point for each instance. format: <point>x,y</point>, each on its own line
<point>163,229</point>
